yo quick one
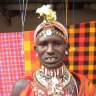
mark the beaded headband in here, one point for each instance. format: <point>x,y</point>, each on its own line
<point>49,26</point>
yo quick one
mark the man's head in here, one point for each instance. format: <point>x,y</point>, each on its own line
<point>51,41</point>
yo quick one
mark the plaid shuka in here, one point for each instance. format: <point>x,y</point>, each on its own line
<point>82,53</point>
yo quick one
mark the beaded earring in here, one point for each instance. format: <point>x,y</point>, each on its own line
<point>66,53</point>
<point>36,55</point>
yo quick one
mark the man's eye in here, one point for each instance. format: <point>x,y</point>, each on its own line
<point>42,44</point>
<point>58,43</point>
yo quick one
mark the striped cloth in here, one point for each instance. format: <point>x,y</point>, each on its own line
<point>31,62</point>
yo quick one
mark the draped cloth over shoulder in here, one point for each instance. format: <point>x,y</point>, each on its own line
<point>85,89</point>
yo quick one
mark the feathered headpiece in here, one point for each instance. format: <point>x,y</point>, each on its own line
<point>49,26</point>
<point>47,13</point>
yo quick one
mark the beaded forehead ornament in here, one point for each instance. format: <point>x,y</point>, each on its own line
<point>49,26</point>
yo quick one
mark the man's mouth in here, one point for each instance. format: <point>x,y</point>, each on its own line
<point>50,59</point>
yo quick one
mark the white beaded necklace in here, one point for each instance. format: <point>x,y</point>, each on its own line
<point>58,82</point>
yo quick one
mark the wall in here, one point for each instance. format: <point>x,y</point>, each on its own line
<point>32,20</point>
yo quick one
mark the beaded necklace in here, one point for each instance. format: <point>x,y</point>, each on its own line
<point>57,82</point>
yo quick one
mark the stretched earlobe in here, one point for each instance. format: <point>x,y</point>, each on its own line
<point>36,51</point>
<point>66,53</point>
<point>67,48</point>
<point>35,48</point>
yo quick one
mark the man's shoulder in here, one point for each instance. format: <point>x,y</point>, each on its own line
<point>19,86</point>
<point>79,76</point>
<point>22,83</point>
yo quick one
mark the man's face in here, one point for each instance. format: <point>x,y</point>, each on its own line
<point>51,51</point>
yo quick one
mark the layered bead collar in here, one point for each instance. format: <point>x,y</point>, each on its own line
<point>53,72</point>
<point>58,81</point>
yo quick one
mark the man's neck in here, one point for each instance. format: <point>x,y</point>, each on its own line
<point>54,72</point>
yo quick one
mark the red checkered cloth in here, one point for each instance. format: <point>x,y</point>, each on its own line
<point>11,61</point>
<point>82,53</point>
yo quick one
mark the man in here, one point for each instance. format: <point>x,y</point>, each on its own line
<point>53,78</point>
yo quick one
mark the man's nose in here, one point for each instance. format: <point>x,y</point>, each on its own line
<point>50,49</point>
